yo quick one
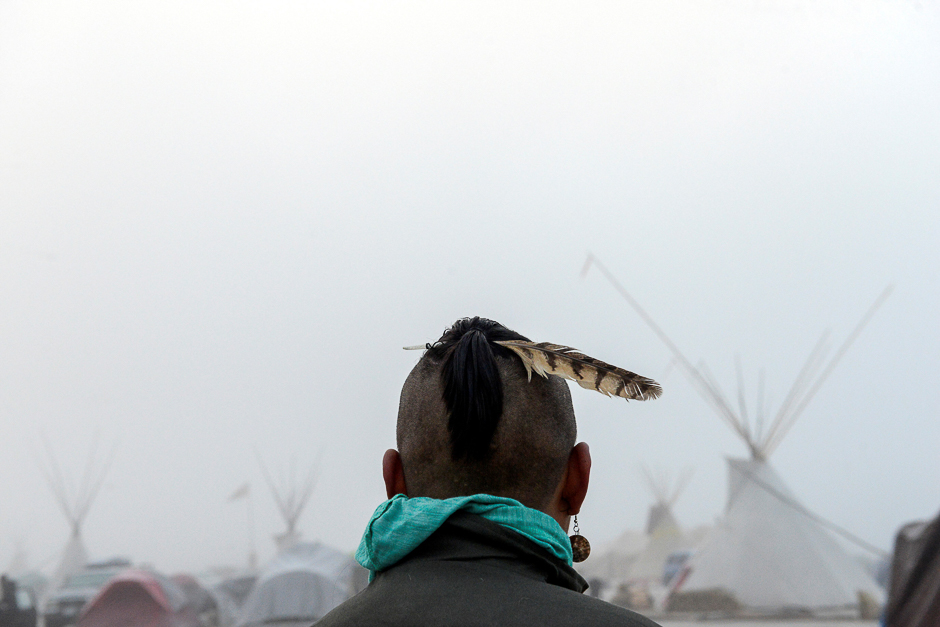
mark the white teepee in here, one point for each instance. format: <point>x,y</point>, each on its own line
<point>768,552</point>
<point>663,533</point>
<point>75,501</point>
<point>291,497</point>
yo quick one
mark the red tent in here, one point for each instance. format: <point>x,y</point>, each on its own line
<point>139,598</point>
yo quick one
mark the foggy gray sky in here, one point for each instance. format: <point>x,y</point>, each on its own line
<point>222,222</point>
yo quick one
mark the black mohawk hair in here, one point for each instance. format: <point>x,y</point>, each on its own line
<point>473,390</point>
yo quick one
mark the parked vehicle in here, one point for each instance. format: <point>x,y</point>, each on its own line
<point>17,605</point>
<point>64,606</point>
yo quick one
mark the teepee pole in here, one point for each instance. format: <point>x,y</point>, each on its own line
<point>683,361</point>
<point>681,483</point>
<point>724,406</point>
<point>93,481</point>
<point>275,492</point>
<point>759,417</point>
<point>56,481</point>
<point>833,363</point>
<point>799,384</point>
<point>745,421</point>
<point>654,484</point>
<point>706,388</point>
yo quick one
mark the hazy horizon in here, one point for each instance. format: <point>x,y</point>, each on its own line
<point>222,223</point>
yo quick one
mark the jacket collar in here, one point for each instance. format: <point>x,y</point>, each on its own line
<point>466,536</point>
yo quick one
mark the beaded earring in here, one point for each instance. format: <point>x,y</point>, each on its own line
<point>580,547</point>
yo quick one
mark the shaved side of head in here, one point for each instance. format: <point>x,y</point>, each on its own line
<point>515,443</point>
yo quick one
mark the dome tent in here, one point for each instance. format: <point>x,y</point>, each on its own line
<point>300,585</point>
<point>140,598</point>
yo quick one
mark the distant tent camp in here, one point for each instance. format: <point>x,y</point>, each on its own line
<point>231,594</point>
<point>142,599</point>
<point>302,584</point>
<point>638,558</point>
<point>768,553</point>
<point>29,578</point>
<point>305,580</point>
<point>611,565</point>
<point>75,504</point>
<point>202,601</point>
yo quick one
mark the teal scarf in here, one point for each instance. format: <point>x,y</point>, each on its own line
<point>400,524</point>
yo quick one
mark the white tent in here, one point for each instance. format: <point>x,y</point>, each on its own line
<point>300,585</point>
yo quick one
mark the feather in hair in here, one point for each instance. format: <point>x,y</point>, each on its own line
<point>593,374</point>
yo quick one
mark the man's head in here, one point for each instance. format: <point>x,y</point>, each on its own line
<point>470,421</point>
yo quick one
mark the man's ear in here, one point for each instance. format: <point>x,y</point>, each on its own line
<point>577,477</point>
<point>394,474</point>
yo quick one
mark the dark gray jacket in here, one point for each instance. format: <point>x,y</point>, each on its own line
<point>473,571</point>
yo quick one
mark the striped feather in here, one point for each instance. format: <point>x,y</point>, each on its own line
<point>545,358</point>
